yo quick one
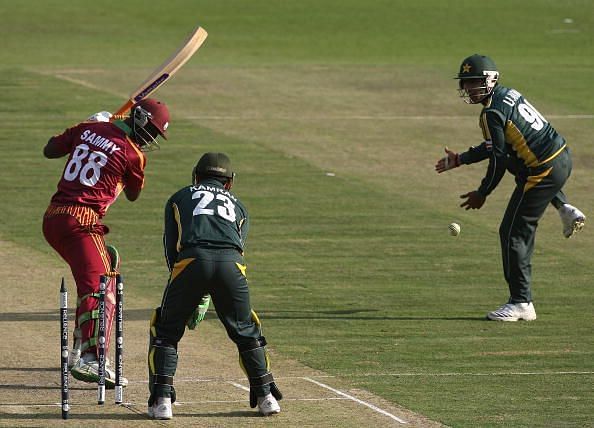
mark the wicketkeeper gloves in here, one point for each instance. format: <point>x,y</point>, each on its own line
<point>199,313</point>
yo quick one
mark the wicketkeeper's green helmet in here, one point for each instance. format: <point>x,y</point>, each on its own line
<point>478,67</point>
<point>213,165</point>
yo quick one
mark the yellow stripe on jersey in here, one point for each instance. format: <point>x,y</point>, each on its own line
<point>85,215</point>
<point>179,227</point>
<point>553,156</point>
<point>519,144</point>
<point>484,126</point>
<point>137,150</point>
<point>533,180</point>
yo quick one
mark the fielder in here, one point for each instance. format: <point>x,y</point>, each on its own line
<point>205,231</point>
<point>104,159</point>
<point>572,219</point>
<point>513,129</point>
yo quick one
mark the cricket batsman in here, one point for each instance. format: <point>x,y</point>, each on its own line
<point>103,159</point>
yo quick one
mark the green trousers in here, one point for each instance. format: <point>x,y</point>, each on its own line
<point>535,189</point>
<point>220,273</point>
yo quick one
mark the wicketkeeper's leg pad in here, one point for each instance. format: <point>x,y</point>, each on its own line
<point>162,363</point>
<point>253,359</point>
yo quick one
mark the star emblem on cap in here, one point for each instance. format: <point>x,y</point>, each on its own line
<point>466,68</point>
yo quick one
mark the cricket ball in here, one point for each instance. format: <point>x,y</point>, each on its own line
<point>454,229</point>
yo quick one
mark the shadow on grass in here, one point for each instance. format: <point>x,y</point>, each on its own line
<point>344,314</point>
<point>133,416</point>
<point>25,387</point>
<point>30,369</point>
<point>74,415</point>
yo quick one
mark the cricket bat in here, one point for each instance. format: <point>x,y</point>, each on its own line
<point>165,71</point>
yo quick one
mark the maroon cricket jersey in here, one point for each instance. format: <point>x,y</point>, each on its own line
<point>102,161</point>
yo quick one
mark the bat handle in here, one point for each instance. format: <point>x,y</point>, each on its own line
<point>119,114</point>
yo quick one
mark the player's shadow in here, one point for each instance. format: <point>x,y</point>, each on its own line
<point>74,415</point>
<point>361,314</point>
<point>234,414</point>
<point>354,314</point>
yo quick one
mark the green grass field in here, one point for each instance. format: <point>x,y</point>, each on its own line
<point>353,272</point>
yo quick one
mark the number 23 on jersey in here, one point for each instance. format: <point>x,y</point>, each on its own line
<point>207,201</point>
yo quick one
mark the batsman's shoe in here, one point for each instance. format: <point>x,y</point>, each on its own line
<point>268,405</point>
<point>87,370</point>
<point>573,220</point>
<point>74,354</point>
<point>161,409</point>
<point>73,357</point>
<point>513,312</point>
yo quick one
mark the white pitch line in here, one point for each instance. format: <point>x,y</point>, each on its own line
<point>182,403</point>
<point>238,385</point>
<point>350,397</point>
<point>80,82</point>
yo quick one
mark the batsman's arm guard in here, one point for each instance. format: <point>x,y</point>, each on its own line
<point>199,313</point>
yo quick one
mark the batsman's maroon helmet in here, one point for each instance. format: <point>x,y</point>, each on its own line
<point>159,114</point>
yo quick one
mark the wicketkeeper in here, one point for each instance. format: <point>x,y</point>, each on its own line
<point>205,231</point>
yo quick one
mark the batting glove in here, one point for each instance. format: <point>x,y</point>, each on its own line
<point>450,161</point>
<point>102,116</point>
<point>199,313</point>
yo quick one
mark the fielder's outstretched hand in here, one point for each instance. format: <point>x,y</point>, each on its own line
<point>474,200</point>
<point>450,161</point>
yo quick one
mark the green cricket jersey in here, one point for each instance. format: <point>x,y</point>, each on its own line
<point>512,126</point>
<point>205,216</point>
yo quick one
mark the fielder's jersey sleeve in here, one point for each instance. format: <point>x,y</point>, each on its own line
<point>476,154</point>
<point>102,160</point>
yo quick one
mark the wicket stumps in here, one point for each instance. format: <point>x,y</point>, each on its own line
<point>101,341</point>
<point>119,339</point>
<point>119,336</point>
<point>64,348</point>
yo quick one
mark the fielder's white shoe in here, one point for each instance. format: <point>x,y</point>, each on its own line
<point>573,220</point>
<point>513,312</point>
<point>161,409</point>
<point>268,405</point>
<point>86,369</point>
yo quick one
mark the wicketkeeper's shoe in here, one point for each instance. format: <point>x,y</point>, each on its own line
<point>87,370</point>
<point>573,220</point>
<point>161,409</point>
<point>513,312</point>
<point>268,405</point>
